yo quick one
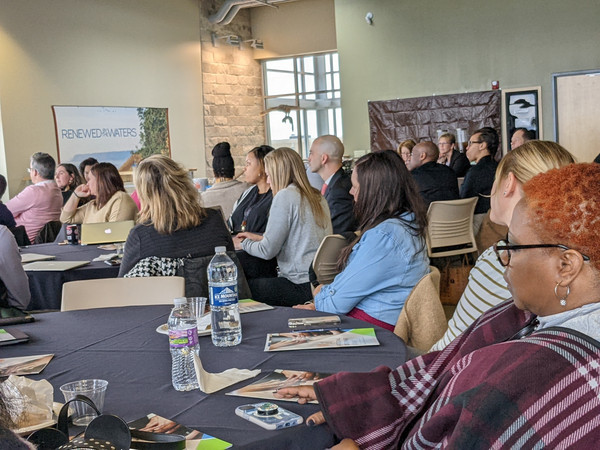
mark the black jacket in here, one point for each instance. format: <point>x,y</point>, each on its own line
<point>459,163</point>
<point>436,182</point>
<point>340,202</point>
<point>479,181</point>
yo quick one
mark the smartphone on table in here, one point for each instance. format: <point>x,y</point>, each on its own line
<point>269,415</point>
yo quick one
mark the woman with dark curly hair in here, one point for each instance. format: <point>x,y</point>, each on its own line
<point>524,375</point>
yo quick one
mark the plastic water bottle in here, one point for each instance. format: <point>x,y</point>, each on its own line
<point>226,329</point>
<point>183,341</point>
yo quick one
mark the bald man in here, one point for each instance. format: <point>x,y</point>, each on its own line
<point>435,181</point>
<point>520,136</point>
<point>325,158</point>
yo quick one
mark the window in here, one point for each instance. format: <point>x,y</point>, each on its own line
<point>302,95</point>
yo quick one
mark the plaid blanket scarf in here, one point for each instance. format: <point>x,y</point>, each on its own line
<point>484,391</point>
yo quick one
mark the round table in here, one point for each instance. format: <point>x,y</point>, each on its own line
<point>46,286</point>
<point>121,345</point>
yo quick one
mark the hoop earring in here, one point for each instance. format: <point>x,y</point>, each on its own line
<point>562,300</point>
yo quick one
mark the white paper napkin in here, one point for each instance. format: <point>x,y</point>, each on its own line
<point>106,257</point>
<point>213,382</point>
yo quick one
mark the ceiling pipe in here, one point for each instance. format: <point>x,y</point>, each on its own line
<point>230,8</point>
<point>220,15</point>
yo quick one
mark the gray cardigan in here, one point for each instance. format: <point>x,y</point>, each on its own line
<point>292,235</point>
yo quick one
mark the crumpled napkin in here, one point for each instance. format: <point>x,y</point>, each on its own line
<point>213,382</point>
<point>30,401</point>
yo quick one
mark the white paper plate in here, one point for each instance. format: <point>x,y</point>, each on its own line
<point>203,326</point>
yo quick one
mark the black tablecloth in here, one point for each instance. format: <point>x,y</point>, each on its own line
<point>121,346</point>
<point>46,287</point>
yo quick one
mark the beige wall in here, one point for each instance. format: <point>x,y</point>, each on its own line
<point>439,47</point>
<point>295,28</point>
<point>109,52</point>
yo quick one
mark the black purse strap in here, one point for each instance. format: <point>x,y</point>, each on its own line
<point>104,427</point>
<point>63,417</point>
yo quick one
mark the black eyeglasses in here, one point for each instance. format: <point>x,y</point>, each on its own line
<point>474,142</point>
<point>503,249</point>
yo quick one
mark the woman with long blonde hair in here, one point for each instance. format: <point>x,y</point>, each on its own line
<point>298,221</point>
<point>171,222</point>
<point>487,286</point>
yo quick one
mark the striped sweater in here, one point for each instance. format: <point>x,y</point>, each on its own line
<point>484,391</point>
<point>486,288</point>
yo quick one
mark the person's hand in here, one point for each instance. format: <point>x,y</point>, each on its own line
<point>310,306</point>
<point>237,242</point>
<point>304,394</point>
<point>346,444</point>
<point>251,236</point>
<point>83,191</point>
<point>160,425</point>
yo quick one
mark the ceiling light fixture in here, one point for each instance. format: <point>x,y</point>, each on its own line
<point>230,39</point>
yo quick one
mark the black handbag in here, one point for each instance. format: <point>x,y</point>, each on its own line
<point>105,432</point>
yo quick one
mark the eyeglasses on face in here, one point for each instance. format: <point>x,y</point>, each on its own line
<point>503,249</point>
<point>474,142</point>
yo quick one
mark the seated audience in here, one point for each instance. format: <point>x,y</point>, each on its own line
<point>450,156</point>
<point>225,191</point>
<point>67,179</point>
<point>40,202</point>
<point>325,158</point>
<point>110,203</point>
<point>435,182</point>
<point>171,223</point>
<point>480,177</point>
<point>524,375</point>
<point>384,264</point>
<point>486,286</point>
<point>520,136</point>
<point>85,166</point>
<point>14,285</point>
<point>6,217</point>
<point>251,210</point>
<point>405,149</point>
<point>298,221</point>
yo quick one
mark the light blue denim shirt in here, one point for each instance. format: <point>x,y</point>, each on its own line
<point>384,266</point>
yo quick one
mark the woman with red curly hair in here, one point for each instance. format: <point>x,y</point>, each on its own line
<point>525,374</point>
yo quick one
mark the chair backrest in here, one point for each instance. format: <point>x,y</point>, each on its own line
<point>194,272</point>
<point>48,232</point>
<point>422,321</point>
<point>109,292</point>
<point>450,227</point>
<point>20,235</point>
<point>326,257</point>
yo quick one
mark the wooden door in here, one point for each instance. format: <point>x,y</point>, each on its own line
<point>577,113</point>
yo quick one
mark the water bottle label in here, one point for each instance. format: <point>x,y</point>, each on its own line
<point>223,295</point>
<point>183,338</point>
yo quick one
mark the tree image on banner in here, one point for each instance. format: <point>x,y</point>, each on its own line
<point>154,132</point>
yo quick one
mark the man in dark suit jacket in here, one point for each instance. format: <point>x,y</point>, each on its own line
<point>480,179</point>
<point>436,182</point>
<point>451,157</point>
<point>325,158</point>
